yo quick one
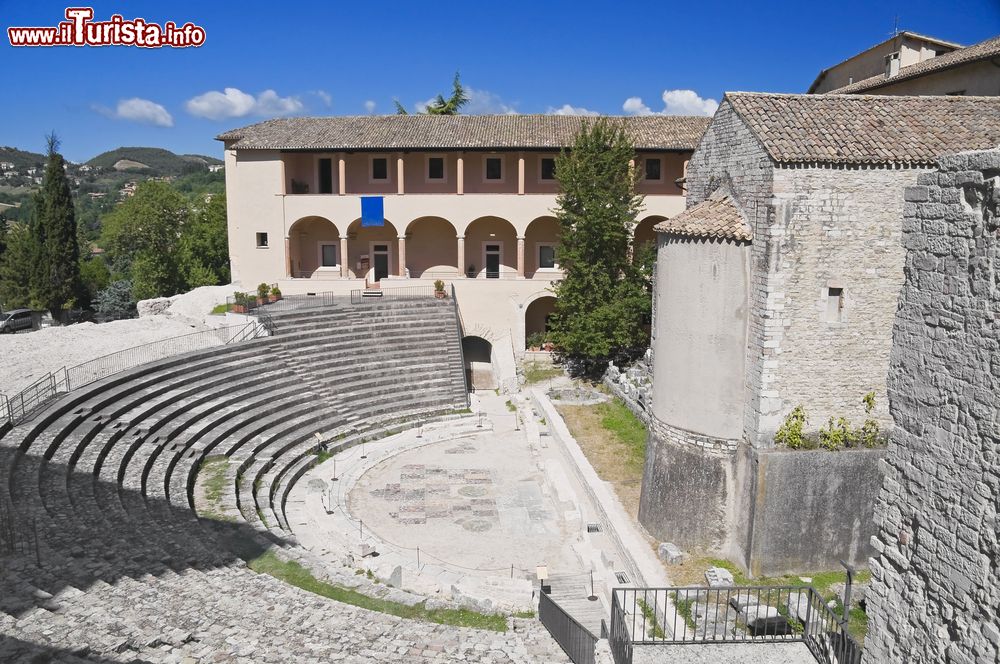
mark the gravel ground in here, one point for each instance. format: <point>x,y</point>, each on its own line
<point>27,356</point>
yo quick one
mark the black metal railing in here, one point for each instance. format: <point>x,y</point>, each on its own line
<point>285,303</point>
<point>748,614</point>
<point>370,295</point>
<point>575,639</point>
<point>21,406</point>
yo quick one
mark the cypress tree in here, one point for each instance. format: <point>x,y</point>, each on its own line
<point>56,282</point>
<point>603,299</point>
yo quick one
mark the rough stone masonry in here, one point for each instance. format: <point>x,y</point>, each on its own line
<point>935,593</point>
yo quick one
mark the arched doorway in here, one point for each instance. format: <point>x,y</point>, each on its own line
<point>644,234</point>
<point>431,248</point>
<point>373,251</point>
<point>536,320</point>
<point>491,249</point>
<point>478,353</point>
<point>540,240</point>
<point>313,248</point>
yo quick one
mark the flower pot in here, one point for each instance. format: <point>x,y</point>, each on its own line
<point>439,294</point>
<point>239,308</point>
<point>273,298</point>
<point>261,301</point>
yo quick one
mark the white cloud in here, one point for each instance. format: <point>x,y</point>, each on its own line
<point>139,110</point>
<point>369,106</point>
<point>324,97</point>
<point>566,109</point>
<point>675,102</point>
<point>486,102</point>
<point>234,103</point>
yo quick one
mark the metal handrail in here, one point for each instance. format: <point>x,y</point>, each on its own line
<point>461,350</point>
<point>576,640</point>
<point>390,294</point>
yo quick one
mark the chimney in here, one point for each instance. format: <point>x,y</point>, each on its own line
<point>892,64</point>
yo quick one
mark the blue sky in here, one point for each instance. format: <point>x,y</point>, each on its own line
<point>323,58</point>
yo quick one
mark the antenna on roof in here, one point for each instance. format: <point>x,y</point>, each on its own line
<point>895,26</point>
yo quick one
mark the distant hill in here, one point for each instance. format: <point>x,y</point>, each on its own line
<point>20,158</point>
<point>156,160</point>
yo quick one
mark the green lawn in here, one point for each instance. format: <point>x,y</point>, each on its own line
<point>536,372</point>
<point>219,309</point>
<point>626,428</point>
<point>297,575</point>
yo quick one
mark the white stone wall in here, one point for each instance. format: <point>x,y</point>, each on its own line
<point>935,592</point>
<point>831,227</point>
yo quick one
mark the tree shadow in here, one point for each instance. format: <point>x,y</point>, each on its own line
<point>25,652</point>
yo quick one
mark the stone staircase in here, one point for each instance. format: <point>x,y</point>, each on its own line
<point>105,479</point>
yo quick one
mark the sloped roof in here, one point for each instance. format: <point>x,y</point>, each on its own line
<point>717,217</point>
<point>868,129</point>
<point>456,132</point>
<point>981,51</point>
<point>901,35</point>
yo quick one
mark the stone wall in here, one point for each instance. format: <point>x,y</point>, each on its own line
<point>633,384</point>
<point>831,227</point>
<point>935,593</point>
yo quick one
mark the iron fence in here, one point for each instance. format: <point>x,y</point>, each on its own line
<point>575,639</point>
<point>374,295</point>
<point>252,306</point>
<point>22,405</point>
<point>758,614</point>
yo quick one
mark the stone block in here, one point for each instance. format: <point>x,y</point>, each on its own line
<point>916,194</point>
<point>670,553</point>
<point>719,577</point>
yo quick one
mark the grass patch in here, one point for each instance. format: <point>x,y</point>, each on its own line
<point>219,309</point>
<point>536,372</point>
<point>683,607</point>
<point>322,455</point>
<point>525,614</point>
<point>212,480</point>
<point>510,406</point>
<point>300,577</point>
<point>655,630</point>
<point>619,421</point>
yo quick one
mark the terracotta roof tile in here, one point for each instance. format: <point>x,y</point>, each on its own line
<point>469,132</point>
<point>716,217</point>
<point>981,51</point>
<point>868,129</point>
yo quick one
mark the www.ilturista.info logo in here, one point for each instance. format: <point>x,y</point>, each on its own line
<point>79,29</point>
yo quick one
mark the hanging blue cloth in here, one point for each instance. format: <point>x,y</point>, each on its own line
<point>372,211</point>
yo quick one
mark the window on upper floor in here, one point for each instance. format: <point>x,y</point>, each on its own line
<point>435,168</point>
<point>547,257</point>
<point>261,240</point>
<point>653,169</point>
<point>547,168</point>
<point>380,168</point>
<point>493,169</point>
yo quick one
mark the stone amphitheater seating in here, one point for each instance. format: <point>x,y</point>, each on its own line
<point>126,570</point>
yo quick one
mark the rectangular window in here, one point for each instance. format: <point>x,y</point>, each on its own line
<point>834,304</point>
<point>326,176</point>
<point>547,257</point>
<point>548,168</point>
<point>652,169</point>
<point>380,168</point>
<point>261,240</point>
<point>494,168</point>
<point>328,255</point>
<point>435,168</point>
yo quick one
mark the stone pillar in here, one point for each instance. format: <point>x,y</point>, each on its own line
<point>341,175</point>
<point>344,266</point>
<point>460,177</point>
<point>402,255</point>
<point>400,172</point>
<point>520,257</point>
<point>520,174</point>
<point>288,256</point>
<point>461,256</point>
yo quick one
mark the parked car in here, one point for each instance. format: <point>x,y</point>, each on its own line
<point>15,321</point>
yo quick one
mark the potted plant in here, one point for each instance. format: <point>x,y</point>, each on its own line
<point>263,290</point>
<point>239,302</point>
<point>535,341</point>
<point>275,293</point>
<point>439,289</point>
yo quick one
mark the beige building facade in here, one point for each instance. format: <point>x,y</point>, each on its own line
<point>468,200</point>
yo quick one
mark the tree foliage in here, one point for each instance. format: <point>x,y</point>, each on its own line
<point>204,245</point>
<point>441,106</point>
<point>143,237</point>
<point>604,298</point>
<point>17,267</point>
<point>55,279</point>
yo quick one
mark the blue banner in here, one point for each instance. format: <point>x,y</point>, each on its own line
<point>372,211</point>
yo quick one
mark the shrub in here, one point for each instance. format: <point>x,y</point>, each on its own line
<point>790,433</point>
<point>535,340</point>
<point>116,300</point>
<point>275,291</point>
<point>837,435</point>
<point>870,434</point>
<point>262,290</point>
<point>438,286</point>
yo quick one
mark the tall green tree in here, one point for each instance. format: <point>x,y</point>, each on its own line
<point>56,277</point>
<point>204,245</point>
<point>17,268</point>
<point>142,235</point>
<point>603,299</point>
<point>441,106</point>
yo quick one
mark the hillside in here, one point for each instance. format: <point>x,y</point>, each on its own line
<point>156,160</point>
<point>20,158</point>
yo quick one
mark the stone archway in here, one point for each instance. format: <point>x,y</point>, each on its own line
<point>536,319</point>
<point>313,248</point>
<point>478,354</point>
<point>364,242</point>
<point>431,249</point>
<point>490,249</point>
